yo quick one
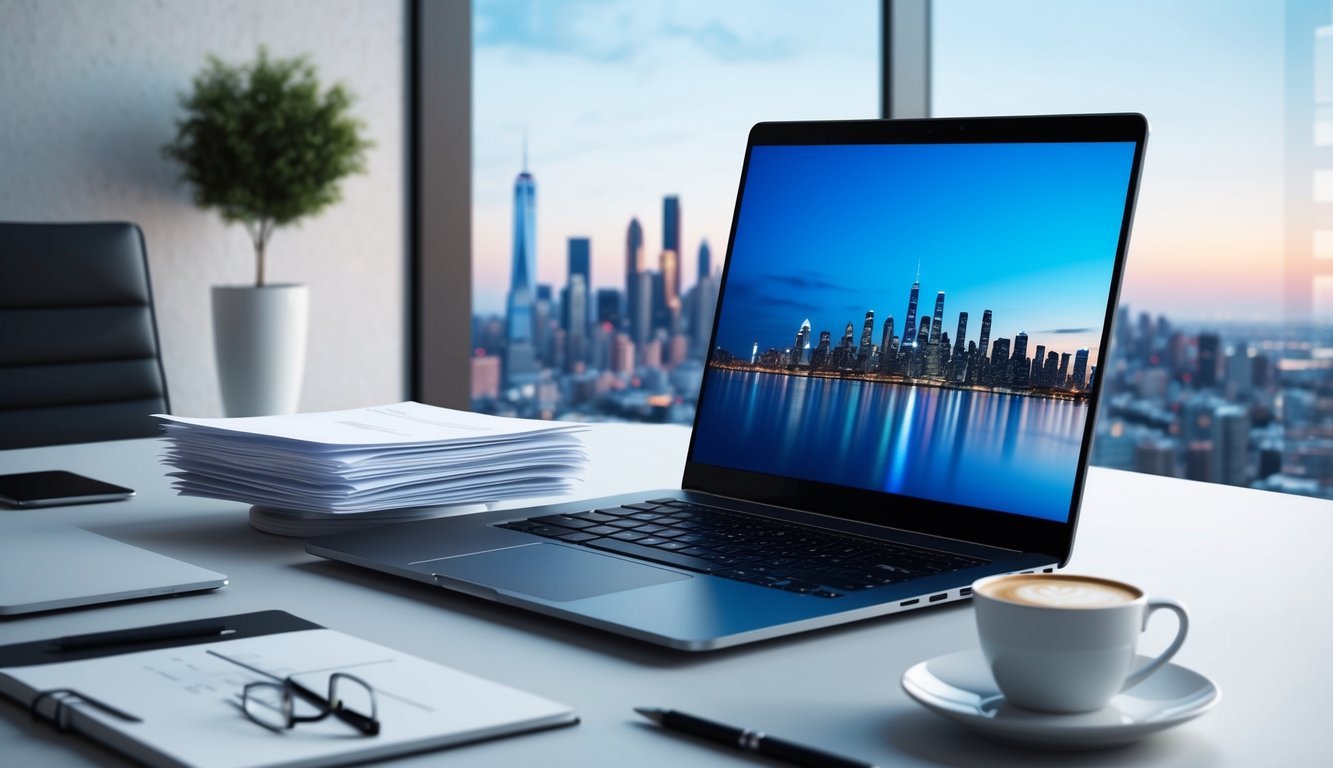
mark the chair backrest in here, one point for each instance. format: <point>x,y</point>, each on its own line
<point>79,355</point>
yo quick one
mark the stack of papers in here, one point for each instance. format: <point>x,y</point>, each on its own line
<point>368,460</point>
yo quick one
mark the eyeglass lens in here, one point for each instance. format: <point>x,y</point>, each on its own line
<point>278,706</point>
<point>269,704</point>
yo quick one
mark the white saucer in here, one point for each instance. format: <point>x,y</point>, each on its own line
<point>960,687</point>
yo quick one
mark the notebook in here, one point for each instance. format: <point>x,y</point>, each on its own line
<point>92,569</point>
<point>174,702</point>
<point>898,398</point>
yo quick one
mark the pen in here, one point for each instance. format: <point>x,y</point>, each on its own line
<point>748,740</point>
<point>137,636</point>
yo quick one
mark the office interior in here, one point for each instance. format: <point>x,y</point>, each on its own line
<point>1221,357</point>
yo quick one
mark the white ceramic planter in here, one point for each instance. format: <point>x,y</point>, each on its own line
<point>259,336</point>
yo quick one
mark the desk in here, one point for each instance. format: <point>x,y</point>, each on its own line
<point>1252,566</point>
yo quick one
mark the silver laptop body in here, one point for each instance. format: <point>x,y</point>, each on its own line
<point>46,566</point>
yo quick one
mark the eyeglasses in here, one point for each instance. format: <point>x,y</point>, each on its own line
<point>282,704</point>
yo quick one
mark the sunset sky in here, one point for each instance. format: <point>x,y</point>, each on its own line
<point>1207,241</point>
<point>623,102</point>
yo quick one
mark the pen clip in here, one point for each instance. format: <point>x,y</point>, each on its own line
<point>63,699</point>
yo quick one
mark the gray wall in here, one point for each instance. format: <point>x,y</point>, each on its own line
<point>88,95</point>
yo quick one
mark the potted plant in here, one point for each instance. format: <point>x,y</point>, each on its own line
<point>266,146</point>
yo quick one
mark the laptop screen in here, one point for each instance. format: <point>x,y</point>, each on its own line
<point>921,319</point>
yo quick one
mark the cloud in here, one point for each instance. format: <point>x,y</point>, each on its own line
<point>811,280</point>
<point>726,45</point>
<point>585,29</point>
<point>757,294</point>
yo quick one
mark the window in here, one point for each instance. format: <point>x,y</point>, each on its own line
<point>607,146</point>
<point>1222,353</point>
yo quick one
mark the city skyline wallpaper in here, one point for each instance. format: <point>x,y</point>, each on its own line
<point>906,210</point>
<point>955,297</point>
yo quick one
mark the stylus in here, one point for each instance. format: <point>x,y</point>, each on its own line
<point>748,740</point>
<point>138,636</point>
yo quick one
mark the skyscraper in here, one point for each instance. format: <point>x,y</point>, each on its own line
<point>909,328</point>
<point>922,348</point>
<point>886,347</point>
<point>999,369</point>
<point>671,241</point>
<point>1080,369</point>
<point>670,264</point>
<point>520,359</point>
<point>819,358</point>
<point>580,263</point>
<point>576,326</point>
<point>802,341</point>
<point>638,303</point>
<point>845,356</point>
<point>580,259</point>
<point>609,308</point>
<point>705,260</point>
<point>937,322</point>
<point>1210,347</point>
<point>867,345</point>
<point>1020,367</point>
<point>983,344</point>
<point>959,363</point>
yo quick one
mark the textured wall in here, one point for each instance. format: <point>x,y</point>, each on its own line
<point>88,95</point>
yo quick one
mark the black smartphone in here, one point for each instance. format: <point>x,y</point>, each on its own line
<point>56,487</point>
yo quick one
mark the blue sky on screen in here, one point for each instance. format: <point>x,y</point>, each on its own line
<point>1027,231</point>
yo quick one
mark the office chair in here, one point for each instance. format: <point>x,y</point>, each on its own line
<point>79,355</point>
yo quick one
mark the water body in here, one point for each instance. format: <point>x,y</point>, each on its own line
<point>997,451</point>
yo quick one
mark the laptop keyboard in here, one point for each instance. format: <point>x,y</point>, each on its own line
<point>744,547</point>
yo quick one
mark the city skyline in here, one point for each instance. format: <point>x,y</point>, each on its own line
<point>669,116</point>
<point>923,350</point>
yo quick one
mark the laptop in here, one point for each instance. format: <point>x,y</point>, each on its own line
<point>46,566</point>
<point>898,400</point>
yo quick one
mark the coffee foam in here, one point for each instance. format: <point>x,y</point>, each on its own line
<point>1060,591</point>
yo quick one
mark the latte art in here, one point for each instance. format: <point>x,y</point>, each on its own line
<point>1059,591</point>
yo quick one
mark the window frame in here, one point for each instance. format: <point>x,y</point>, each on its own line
<point>439,177</point>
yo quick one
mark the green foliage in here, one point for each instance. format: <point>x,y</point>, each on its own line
<point>264,146</point>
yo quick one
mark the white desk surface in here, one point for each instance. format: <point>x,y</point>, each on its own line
<point>1252,566</point>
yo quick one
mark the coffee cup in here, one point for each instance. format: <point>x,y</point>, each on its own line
<point>1066,643</point>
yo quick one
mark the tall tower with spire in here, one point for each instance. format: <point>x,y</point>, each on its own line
<point>909,329</point>
<point>638,285</point>
<point>520,357</point>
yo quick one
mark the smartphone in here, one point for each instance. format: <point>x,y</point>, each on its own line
<point>56,487</point>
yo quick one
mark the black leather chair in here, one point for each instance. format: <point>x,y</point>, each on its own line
<point>79,355</point>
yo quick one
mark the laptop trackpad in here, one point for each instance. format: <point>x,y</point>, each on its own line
<point>553,572</point>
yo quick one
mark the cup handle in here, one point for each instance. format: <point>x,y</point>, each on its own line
<point>1142,673</point>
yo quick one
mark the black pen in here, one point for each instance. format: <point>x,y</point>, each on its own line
<point>748,740</point>
<point>138,636</point>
